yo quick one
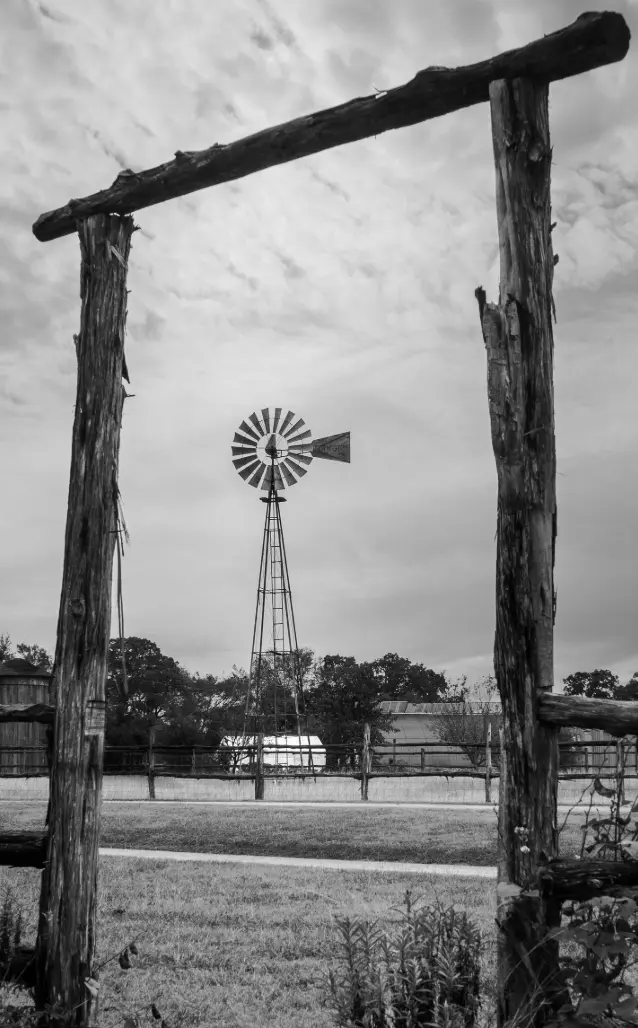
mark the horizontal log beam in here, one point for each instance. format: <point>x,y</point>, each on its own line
<point>618,717</point>
<point>23,849</point>
<point>593,40</point>
<point>43,713</point>
<point>580,880</point>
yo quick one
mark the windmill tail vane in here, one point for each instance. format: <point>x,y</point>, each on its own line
<point>273,451</point>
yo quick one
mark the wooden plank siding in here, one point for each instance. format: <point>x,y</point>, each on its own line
<point>16,737</point>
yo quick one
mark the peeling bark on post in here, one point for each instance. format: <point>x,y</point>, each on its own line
<point>66,931</point>
<point>519,343</point>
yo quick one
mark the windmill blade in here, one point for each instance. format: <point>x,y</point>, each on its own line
<point>247,430</point>
<point>279,482</point>
<point>303,456</point>
<point>297,424</point>
<point>241,462</point>
<point>290,479</point>
<point>298,438</point>
<point>257,423</point>
<point>277,417</point>
<point>240,451</point>
<point>293,466</point>
<point>267,479</point>
<point>286,422</point>
<point>265,413</point>
<point>256,479</point>
<point>237,438</point>
<point>247,472</point>
<point>333,447</point>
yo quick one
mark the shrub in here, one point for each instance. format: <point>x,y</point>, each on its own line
<point>424,972</point>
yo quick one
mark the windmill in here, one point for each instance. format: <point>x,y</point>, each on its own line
<point>272,453</point>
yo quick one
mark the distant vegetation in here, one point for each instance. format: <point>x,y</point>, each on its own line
<point>163,704</point>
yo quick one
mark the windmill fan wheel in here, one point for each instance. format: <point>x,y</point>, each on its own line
<point>272,445</point>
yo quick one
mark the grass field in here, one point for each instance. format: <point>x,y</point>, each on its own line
<point>227,945</point>
<point>435,836</point>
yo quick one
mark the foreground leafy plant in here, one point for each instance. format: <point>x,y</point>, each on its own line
<point>424,972</point>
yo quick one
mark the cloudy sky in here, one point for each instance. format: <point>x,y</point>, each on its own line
<point>340,287</point>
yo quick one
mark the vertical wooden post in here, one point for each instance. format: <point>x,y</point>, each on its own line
<point>394,752</point>
<point>365,761</point>
<point>259,768</point>
<point>423,758</point>
<point>488,759</point>
<point>151,763</point>
<point>519,343</point>
<point>66,929</point>
<point>193,762</point>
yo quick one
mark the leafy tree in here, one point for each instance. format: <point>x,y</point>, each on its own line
<point>33,653</point>
<point>601,685</point>
<point>629,691</point>
<point>156,684</point>
<point>6,653</point>
<point>36,655</point>
<point>464,726</point>
<point>342,700</point>
<point>272,695</point>
<point>399,679</point>
<point>193,720</point>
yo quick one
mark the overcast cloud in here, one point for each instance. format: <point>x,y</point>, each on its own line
<point>341,287</point>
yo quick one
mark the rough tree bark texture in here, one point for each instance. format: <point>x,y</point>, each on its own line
<point>519,344</point>
<point>66,931</point>
<point>618,717</point>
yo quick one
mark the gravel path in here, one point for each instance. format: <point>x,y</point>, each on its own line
<point>455,870</point>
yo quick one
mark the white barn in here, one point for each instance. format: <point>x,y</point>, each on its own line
<point>281,750</point>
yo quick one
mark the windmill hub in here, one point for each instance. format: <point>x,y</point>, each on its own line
<point>274,447</point>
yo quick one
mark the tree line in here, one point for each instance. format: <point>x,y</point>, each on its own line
<point>153,699</point>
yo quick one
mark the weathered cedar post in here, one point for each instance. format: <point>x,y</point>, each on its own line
<point>66,931</point>
<point>259,768</point>
<point>519,343</point>
<point>150,757</point>
<point>365,761</point>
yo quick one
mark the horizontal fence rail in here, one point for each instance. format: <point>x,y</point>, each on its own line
<point>393,758</point>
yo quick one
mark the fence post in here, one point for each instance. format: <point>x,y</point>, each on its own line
<point>423,758</point>
<point>394,752</point>
<point>151,767</point>
<point>259,768</point>
<point>365,762</point>
<point>488,759</point>
<point>193,762</point>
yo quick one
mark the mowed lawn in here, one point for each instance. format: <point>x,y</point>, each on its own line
<point>235,946</point>
<point>429,836</point>
<point>226,945</point>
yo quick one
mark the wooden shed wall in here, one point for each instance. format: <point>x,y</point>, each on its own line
<point>13,737</point>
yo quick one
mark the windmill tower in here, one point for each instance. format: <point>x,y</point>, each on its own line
<point>273,453</point>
